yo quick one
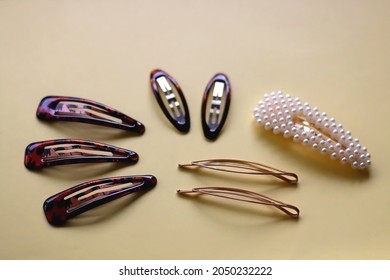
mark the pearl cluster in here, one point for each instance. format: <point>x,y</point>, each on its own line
<point>290,117</point>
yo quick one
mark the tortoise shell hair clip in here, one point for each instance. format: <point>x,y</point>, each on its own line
<point>69,151</point>
<point>64,108</point>
<point>215,105</point>
<point>78,199</point>
<point>171,99</point>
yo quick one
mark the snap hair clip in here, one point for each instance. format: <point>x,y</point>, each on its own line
<point>245,196</point>
<point>171,99</point>
<point>64,108</point>
<point>243,167</point>
<point>215,105</point>
<point>69,151</point>
<point>285,115</point>
<point>78,199</point>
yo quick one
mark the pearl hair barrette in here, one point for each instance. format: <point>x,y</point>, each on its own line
<point>285,115</point>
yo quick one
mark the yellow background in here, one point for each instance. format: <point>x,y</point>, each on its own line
<point>332,54</point>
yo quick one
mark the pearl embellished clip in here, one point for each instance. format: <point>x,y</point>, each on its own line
<point>285,115</point>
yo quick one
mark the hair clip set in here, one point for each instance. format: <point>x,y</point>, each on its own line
<point>85,196</point>
<point>215,102</point>
<point>69,151</point>
<point>248,168</point>
<point>288,116</point>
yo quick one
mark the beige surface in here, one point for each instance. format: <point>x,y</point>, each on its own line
<point>332,54</point>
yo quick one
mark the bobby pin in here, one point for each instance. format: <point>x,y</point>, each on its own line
<point>243,167</point>
<point>171,99</point>
<point>246,196</point>
<point>63,108</point>
<point>78,199</point>
<point>287,116</point>
<point>215,105</point>
<point>69,151</point>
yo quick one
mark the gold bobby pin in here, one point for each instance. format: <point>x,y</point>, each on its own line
<point>243,167</point>
<point>246,196</point>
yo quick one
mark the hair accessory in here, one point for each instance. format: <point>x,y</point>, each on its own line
<point>246,196</point>
<point>243,167</point>
<point>171,99</point>
<point>68,151</point>
<point>63,108</point>
<point>287,116</point>
<point>215,105</point>
<point>83,197</point>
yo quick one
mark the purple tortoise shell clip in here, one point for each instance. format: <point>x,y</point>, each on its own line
<point>69,151</point>
<point>78,199</point>
<point>63,108</point>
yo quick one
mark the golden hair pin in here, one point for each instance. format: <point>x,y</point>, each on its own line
<point>243,167</point>
<point>290,117</point>
<point>245,196</point>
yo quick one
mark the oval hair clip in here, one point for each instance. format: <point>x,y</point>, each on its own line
<point>69,151</point>
<point>245,196</point>
<point>215,105</point>
<point>170,99</point>
<point>64,108</point>
<point>78,199</point>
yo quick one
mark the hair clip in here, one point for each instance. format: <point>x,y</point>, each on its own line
<point>63,108</point>
<point>215,105</point>
<point>171,99</point>
<point>287,116</point>
<point>243,167</point>
<point>78,199</point>
<point>246,196</point>
<point>68,151</point>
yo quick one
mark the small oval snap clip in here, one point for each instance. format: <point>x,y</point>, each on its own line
<point>171,100</point>
<point>215,105</point>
